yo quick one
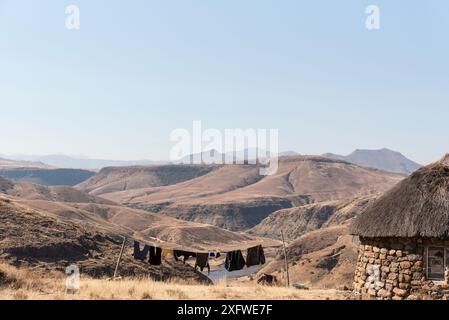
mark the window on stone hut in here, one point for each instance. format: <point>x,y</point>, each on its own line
<point>435,263</point>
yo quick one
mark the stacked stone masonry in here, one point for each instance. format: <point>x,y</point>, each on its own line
<point>393,269</point>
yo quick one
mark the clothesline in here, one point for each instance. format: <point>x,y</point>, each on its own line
<point>195,250</point>
<point>234,259</point>
<point>163,245</point>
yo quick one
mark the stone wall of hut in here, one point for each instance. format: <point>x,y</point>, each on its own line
<point>394,269</point>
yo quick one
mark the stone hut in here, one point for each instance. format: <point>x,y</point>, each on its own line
<point>403,239</point>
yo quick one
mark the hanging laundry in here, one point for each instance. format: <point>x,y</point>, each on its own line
<point>140,255</point>
<point>234,261</point>
<point>185,254</point>
<point>155,256</point>
<point>214,254</point>
<point>255,256</point>
<point>136,253</point>
<point>202,261</point>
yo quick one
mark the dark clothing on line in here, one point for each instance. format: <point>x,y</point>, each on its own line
<point>234,261</point>
<point>140,255</point>
<point>255,256</point>
<point>202,261</point>
<point>155,256</point>
<point>214,254</point>
<point>136,253</point>
<point>185,254</point>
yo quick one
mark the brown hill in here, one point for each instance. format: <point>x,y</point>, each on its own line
<point>318,179</point>
<point>236,216</point>
<point>31,191</point>
<point>297,221</point>
<point>236,197</point>
<point>147,226</point>
<point>48,177</point>
<point>12,164</point>
<point>69,204</point>
<point>31,238</point>
<point>219,181</point>
<point>114,179</point>
<point>383,159</point>
<point>323,258</point>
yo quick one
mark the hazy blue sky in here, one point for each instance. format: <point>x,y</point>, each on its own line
<point>139,69</point>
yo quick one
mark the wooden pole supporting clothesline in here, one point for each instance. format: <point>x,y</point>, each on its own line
<point>285,259</point>
<point>119,258</point>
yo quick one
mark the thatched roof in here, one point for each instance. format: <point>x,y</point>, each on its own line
<point>418,206</point>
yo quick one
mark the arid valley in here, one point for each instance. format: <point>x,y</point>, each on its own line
<point>193,207</point>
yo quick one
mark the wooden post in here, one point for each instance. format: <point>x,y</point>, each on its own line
<point>285,260</point>
<point>119,257</point>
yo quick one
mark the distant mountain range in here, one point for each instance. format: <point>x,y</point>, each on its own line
<point>383,159</point>
<point>64,161</point>
<point>214,156</point>
<point>288,153</point>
